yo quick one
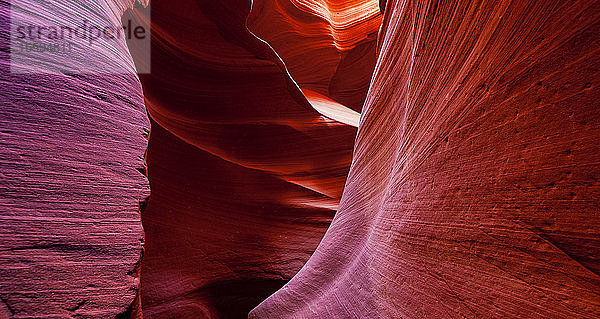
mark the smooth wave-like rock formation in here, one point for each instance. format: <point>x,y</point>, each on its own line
<point>71,152</point>
<point>327,46</point>
<point>245,172</point>
<point>474,189</point>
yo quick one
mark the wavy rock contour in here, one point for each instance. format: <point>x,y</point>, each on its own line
<point>245,172</point>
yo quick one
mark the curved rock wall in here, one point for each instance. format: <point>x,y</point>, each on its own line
<point>245,173</point>
<point>474,189</point>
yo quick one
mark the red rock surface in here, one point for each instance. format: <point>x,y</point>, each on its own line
<point>70,149</point>
<point>245,173</point>
<point>474,187</point>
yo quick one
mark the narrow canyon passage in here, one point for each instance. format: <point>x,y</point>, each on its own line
<point>299,159</point>
<point>245,173</point>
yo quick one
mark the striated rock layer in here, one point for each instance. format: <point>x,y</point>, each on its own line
<point>245,173</point>
<point>474,186</point>
<point>327,46</point>
<point>71,149</point>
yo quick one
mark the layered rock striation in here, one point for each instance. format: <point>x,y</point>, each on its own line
<point>71,149</point>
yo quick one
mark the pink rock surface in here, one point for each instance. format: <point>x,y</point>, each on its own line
<point>71,147</point>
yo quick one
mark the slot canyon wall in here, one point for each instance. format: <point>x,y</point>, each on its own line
<point>474,187</point>
<point>71,156</point>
